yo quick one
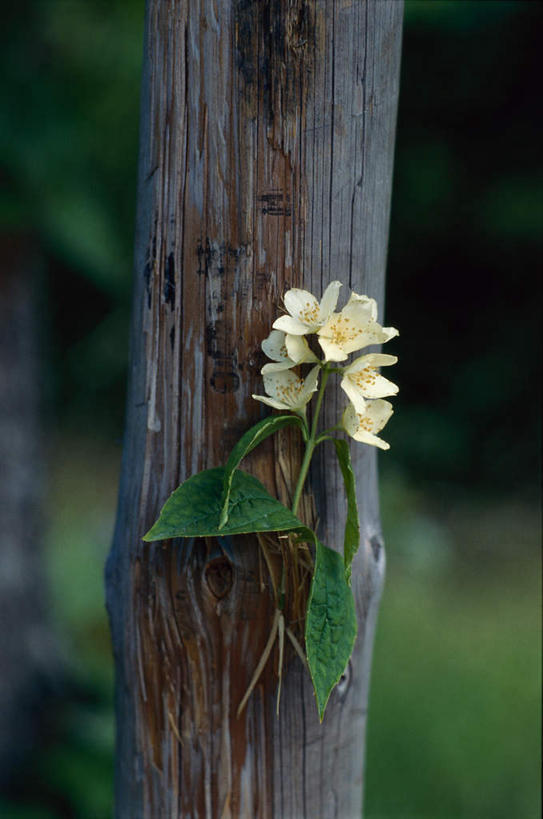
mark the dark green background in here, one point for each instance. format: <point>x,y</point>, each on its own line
<point>454,717</point>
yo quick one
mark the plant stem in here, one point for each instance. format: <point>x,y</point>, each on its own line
<point>311,443</point>
<point>309,447</point>
<point>329,431</point>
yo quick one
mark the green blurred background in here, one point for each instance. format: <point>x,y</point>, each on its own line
<point>455,706</point>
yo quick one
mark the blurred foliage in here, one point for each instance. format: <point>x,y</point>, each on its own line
<point>453,718</point>
<point>465,248</point>
<point>72,769</point>
<point>68,154</point>
<point>455,707</point>
<point>464,282</point>
<point>454,691</point>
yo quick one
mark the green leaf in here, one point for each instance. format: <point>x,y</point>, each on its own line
<point>330,626</point>
<point>351,540</point>
<point>251,439</point>
<point>193,510</point>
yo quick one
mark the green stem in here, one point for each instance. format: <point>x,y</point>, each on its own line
<point>310,444</point>
<point>329,431</point>
<point>309,447</point>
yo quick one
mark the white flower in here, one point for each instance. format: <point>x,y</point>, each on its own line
<point>275,348</point>
<point>306,314</point>
<point>285,351</point>
<point>298,350</point>
<point>361,380</point>
<point>352,329</point>
<point>363,426</point>
<point>288,392</point>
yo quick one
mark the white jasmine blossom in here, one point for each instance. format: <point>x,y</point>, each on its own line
<point>339,335</point>
<point>306,315</point>
<point>285,351</point>
<point>364,426</point>
<point>352,329</point>
<point>286,391</point>
<point>298,350</point>
<point>275,348</point>
<point>361,379</point>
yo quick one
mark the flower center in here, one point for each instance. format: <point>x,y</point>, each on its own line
<point>364,422</point>
<point>290,392</point>
<point>343,330</point>
<point>310,313</point>
<point>364,378</point>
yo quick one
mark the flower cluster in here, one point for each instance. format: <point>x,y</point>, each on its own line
<point>339,334</point>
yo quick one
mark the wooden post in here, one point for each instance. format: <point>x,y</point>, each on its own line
<point>267,135</point>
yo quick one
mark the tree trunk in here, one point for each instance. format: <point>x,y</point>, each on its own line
<point>267,137</point>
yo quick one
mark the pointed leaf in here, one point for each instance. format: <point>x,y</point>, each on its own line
<point>330,627</point>
<point>251,439</point>
<point>351,539</point>
<point>193,510</point>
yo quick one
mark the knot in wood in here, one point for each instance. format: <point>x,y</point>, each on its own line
<point>219,576</point>
<point>376,546</point>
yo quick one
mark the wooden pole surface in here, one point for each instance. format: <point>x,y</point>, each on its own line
<point>266,149</point>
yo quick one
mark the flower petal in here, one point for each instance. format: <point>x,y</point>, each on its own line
<point>372,360</point>
<point>376,386</point>
<point>389,332</point>
<point>372,333</point>
<point>363,426</point>
<point>378,412</point>
<point>298,349</point>
<point>282,383</point>
<point>271,402</point>
<point>361,309</point>
<point>274,346</point>
<point>344,330</point>
<point>329,301</point>
<point>277,366</point>
<point>373,440</point>
<point>350,420</point>
<point>310,384</point>
<point>362,379</point>
<point>303,306</point>
<point>291,325</point>
<point>332,351</point>
<point>292,392</point>
<point>353,328</point>
<point>354,394</point>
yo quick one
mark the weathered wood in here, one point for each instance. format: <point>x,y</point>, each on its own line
<point>267,138</point>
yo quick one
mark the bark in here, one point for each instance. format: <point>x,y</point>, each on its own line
<point>267,135</point>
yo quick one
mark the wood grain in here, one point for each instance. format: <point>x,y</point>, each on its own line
<point>267,134</point>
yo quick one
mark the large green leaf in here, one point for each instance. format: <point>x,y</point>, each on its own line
<point>251,439</point>
<point>330,626</point>
<point>351,539</point>
<point>193,510</point>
